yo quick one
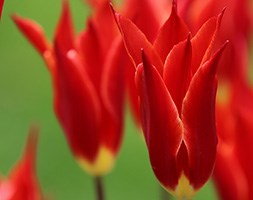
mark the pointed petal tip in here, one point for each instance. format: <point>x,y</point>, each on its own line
<point>111,6</point>
<point>1,8</point>
<point>223,11</point>
<point>116,15</point>
<point>221,49</point>
<point>174,5</point>
<point>33,137</point>
<point>30,151</point>
<point>33,32</point>
<point>189,38</point>
<point>16,18</point>
<point>220,16</point>
<point>65,4</point>
<point>216,58</point>
<point>65,7</point>
<point>144,58</point>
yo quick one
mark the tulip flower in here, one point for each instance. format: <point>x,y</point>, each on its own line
<point>233,170</point>
<point>22,184</point>
<point>176,83</point>
<point>236,27</point>
<point>1,7</point>
<point>232,176</point>
<point>147,15</point>
<point>88,85</point>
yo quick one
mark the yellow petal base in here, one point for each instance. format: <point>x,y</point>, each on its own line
<point>103,163</point>
<point>184,190</point>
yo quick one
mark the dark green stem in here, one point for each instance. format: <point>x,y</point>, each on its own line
<point>99,188</point>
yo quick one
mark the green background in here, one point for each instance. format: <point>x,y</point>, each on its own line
<point>26,97</point>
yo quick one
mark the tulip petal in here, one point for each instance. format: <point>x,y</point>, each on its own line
<point>173,31</point>
<point>135,40</point>
<point>23,177</point>
<point>161,123</point>
<point>177,71</point>
<point>112,93</point>
<point>93,59</point>
<point>203,41</point>
<point>211,48</point>
<point>33,32</point>
<point>77,105</point>
<point>231,182</point>
<point>1,7</point>
<point>65,31</point>
<point>198,116</point>
<point>133,94</point>
<point>105,25</point>
<point>143,14</point>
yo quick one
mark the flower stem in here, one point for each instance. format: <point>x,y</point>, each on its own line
<point>99,188</point>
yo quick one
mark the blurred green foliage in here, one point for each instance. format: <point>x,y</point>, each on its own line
<point>26,97</point>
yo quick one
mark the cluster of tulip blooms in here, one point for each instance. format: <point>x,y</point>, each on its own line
<point>168,57</point>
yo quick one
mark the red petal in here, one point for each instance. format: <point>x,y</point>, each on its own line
<point>242,98</point>
<point>112,93</point>
<point>105,25</point>
<point>65,32</point>
<point>23,176</point>
<point>1,7</point>
<point>161,123</point>
<point>93,59</point>
<point>198,116</point>
<point>203,42</point>
<point>135,40</point>
<point>133,94</point>
<point>33,32</point>
<point>173,31</point>
<point>177,70</point>
<point>144,15</point>
<point>77,105</point>
<point>211,48</point>
<point>229,176</point>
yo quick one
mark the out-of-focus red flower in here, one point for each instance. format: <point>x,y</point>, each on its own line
<point>236,27</point>
<point>88,83</point>
<point>147,15</point>
<point>22,184</point>
<point>1,7</point>
<point>234,114</point>
<point>176,83</point>
<point>233,170</point>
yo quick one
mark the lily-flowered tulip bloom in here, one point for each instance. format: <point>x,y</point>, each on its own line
<point>147,15</point>
<point>176,83</point>
<point>88,85</point>
<point>233,174</point>
<point>22,184</point>
<point>236,26</point>
<point>1,7</point>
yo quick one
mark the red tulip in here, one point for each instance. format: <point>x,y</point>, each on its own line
<point>147,15</point>
<point>176,83</point>
<point>237,27</point>
<point>22,182</point>
<point>88,84</point>
<point>233,170</point>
